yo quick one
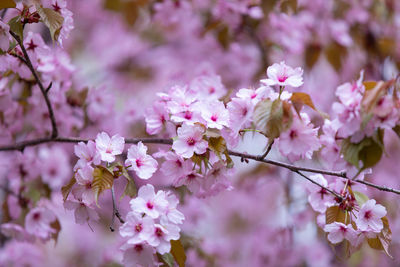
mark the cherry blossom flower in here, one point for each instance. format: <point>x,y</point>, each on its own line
<point>162,235</point>
<point>55,166</point>
<point>83,189</point>
<point>216,115</point>
<point>148,202</point>
<point>109,147</point>
<point>339,231</point>
<point>138,255</point>
<point>172,214</point>
<point>87,154</point>
<point>319,198</point>
<point>144,165</point>
<point>240,113</point>
<point>82,211</point>
<point>282,75</point>
<point>175,166</point>
<point>5,36</point>
<point>300,140</point>
<point>156,117</point>
<point>190,141</point>
<point>370,216</point>
<point>208,86</point>
<point>37,222</point>
<point>136,228</point>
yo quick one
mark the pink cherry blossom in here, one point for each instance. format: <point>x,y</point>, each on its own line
<point>282,75</point>
<point>216,115</point>
<point>300,141</point>
<point>5,36</point>
<point>144,165</point>
<point>87,154</point>
<point>138,255</point>
<point>82,211</point>
<point>240,113</point>
<point>175,166</point>
<point>339,231</point>
<point>83,189</point>
<point>172,214</point>
<point>319,198</point>
<point>370,216</point>
<point>136,228</point>
<point>148,202</point>
<point>109,147</point>
<point>162,235</point>
<point>156,117</point>
<point>190,141</point>
<point>37,222</point>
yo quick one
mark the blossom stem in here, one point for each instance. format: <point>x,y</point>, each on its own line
<point>28,62</point>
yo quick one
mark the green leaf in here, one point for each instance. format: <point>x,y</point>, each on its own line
<point>369,151</point>
<point>66,189</point>
<point>7,4</point>
<point>217,145</point>
<point>384,238</point>
<point>273,117</point>
<point>360,198</point>
<point>102,179</point>
<point>335,214</point>
<point>17,27</point>
<point>52,19</point>
<point>178,252</point>
<point>168,259</point>
<point>130,188</point>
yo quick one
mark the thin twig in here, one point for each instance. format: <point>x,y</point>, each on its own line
<point>115,211</point>
<point>49,87</point>
<point>320,185</point>
<point>28,62</point>
<point>268,150</point>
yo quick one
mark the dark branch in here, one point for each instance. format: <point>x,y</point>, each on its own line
<point>166,141</point>
<point>28,62</point>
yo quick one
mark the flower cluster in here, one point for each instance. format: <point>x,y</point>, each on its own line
<point>150,226</point>
<point>352,218</point>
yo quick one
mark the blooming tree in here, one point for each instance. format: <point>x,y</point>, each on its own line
<point>199,133</point>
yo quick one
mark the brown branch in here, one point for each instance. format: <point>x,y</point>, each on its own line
<point>167,141</point>
<point>28,62</point>
<point>287,166</point>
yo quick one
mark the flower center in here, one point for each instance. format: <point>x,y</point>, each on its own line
<point>293,134</point>
<point>138,227</point>
<point>188,115</point>
<point>36,216</point>
<point>138,247</point>
<point>150,205</point>
<point>139,163</point>
<point>190,141</point>
<point>368,215</point>
<point>282,78</point>
<point>159,232</point>
<point>214,118</point>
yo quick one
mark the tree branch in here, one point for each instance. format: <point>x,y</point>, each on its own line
<point>28,62</point>
<point>167,141</point>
